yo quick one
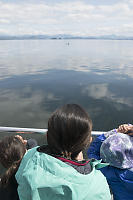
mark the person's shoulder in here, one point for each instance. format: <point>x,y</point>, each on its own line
<point>30,153</point>
<point>97,164</point>
<point>113,173</point>
<point>28,157</point>
<point>125,174</point>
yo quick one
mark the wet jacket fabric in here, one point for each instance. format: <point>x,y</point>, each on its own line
<point>44,177</point>
<point>120,180</point>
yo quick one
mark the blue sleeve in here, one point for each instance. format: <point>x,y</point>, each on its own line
<point>126,177</point>
<point>94,148</point>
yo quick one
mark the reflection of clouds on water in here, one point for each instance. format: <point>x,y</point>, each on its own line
<point>125,70</point>
<point>97,91</point>
<point>28,100</point>
<point>24,107</point>
<point>37,57</point>
<point>102,91</point>
<point>120,70</point>
<point>124,101</point>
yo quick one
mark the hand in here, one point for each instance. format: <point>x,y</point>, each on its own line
<point>22,140</point>
<point>126,128</point>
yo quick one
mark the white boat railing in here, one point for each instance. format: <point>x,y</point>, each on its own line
<point>35,130</point>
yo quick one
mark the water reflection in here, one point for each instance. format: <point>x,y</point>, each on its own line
<point>35,56</point>
<point>28,100</point>
<point>36,77</point>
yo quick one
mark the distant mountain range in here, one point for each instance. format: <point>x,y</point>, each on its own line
<point>63,36</point>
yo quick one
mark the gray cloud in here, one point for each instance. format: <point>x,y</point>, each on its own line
<point>70,17</point>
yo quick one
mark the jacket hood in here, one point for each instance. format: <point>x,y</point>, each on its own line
<point>41,176</point>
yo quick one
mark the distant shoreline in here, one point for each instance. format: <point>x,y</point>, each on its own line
<point>63,37</point>
<point>66,39</point>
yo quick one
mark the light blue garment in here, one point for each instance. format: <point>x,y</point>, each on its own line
<point>43,177</point>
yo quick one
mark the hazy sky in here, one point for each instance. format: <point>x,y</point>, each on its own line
<point>76,17</point>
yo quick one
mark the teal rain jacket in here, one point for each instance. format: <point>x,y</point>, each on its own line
<point>43,177</point>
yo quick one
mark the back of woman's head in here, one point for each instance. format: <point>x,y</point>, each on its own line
<point>69,130</point>
<point>12,151</point>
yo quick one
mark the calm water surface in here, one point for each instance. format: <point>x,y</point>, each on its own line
<point>37,76</point>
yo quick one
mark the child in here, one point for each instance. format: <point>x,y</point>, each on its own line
<point>116,148</point>
<point>58,170</point>
<point>12,150</point>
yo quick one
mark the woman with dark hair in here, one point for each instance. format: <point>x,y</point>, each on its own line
<point>12,150</point>
<point>58,170</point>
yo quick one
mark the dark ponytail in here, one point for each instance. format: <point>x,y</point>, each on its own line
<point>69,130</point>
<point>12,151</point>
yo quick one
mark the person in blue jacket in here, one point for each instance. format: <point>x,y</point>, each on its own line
<point>116,148</point>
